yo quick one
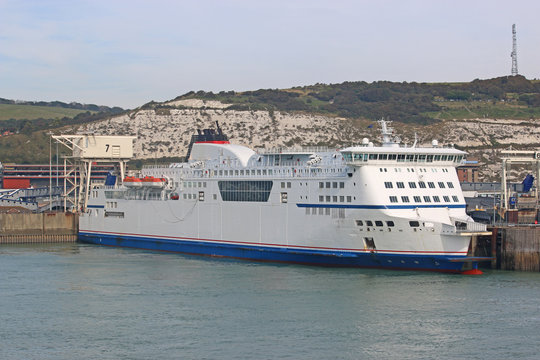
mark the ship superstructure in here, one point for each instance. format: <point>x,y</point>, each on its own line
<point>388,206</point>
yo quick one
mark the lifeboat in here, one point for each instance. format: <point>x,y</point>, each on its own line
<point>150,181</point>
<point>131,181</point>
<point>147,181</point>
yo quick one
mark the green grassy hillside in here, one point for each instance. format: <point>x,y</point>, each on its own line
<point>31,112</point>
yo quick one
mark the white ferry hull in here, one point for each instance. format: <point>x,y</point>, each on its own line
<point>364,206</point>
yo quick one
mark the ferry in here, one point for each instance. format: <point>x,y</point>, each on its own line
<point>390,206</point>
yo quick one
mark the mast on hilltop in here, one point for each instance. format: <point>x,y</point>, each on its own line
<point>514,51</point>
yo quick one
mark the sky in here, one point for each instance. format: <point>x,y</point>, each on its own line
<point>127,53</point>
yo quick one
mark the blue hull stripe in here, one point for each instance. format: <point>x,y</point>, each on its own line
<point>450,206</point>
<point>281,254</point>
<point>96,206</point>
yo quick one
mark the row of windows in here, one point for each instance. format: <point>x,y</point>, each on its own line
<point>336,213</point>
<point>379,223</point>
<point>264,172</point>
<point>427,199</point>
<point>333,185</point>
<point>402,157</point>
<point>389,223</point>
<point>334,198</point>
<point>421,184</point>
<point>194,184</point>
<point>412,170</point>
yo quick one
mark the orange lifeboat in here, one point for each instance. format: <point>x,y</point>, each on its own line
<point>150,181</point>
<point>131,181</point>
<point>147,181</point>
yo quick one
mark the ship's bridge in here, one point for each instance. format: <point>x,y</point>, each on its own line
<point>362,155</point>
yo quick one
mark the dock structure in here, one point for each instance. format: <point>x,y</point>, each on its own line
<point>27,228</point>
<point>515,247</point>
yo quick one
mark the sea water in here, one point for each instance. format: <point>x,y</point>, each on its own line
<point>76,301</point>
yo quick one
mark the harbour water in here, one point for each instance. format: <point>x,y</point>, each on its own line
<point>76,301</point>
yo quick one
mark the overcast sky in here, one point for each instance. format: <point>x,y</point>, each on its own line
<point>127,53</point>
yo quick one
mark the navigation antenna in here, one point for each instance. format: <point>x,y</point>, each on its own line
<point>514,51</point>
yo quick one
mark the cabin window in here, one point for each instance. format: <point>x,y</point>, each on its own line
<point>327,198</point>
<point>405,199</point>
<point>359,223</point>
<point>369,223</point>
<point>348,199</point>
<point>321,198</point>
<point>455,198</point>
<point>390,223</point>
<point>446,198</point>
<point>412,184</point>
<point>414,223</point>
<point>450,185</point>
<point>321,185</point>
<point>288,185</point>
<point>431,185</point>
<point>334,185</point>
<point>372,156</point>
<point>429,158</point>
<point>341,185</point>
<point>441,185</point>
<point>284,198</point>
<point>427,199</point>
<point>436,199</point>
<point>201,195</point>
<point>422,184</point>
<point>328,185</point>
<point>388,184</point>
<point>393,199</point>
<point>400,185</point>
<point>334,198</point>
<point>342,199</point>
<point>417,199</point>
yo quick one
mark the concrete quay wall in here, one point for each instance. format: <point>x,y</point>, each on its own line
<point>38,228</point>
